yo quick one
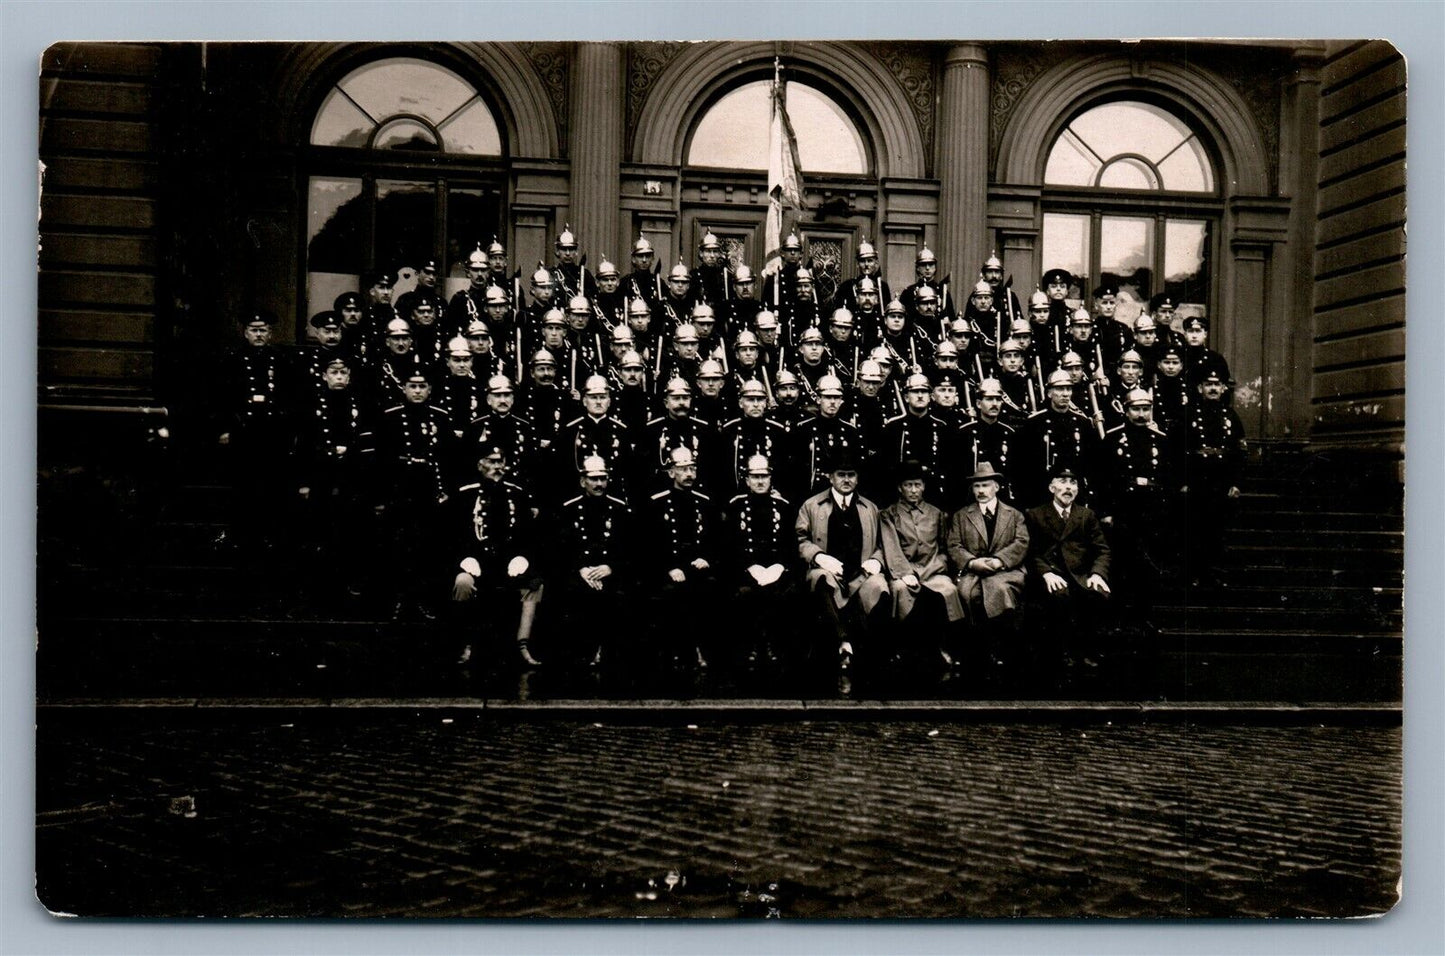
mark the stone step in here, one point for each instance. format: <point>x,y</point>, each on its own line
<point>1200,617</point>
<point>1317,558</point>
<point>1284,575</point>
<point>1322,520</point>
<point>1335,539</point>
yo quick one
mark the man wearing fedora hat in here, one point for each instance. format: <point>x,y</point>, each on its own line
<point>838,540</point>
<point>988,542</point>
<point>915,551</point>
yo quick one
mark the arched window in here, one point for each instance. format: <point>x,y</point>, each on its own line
<point>733,133</point>
<point>404,167</point>
<point>1130,199</point>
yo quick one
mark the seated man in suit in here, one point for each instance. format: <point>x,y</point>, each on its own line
<point>915,550</point>
<point>838,541</point>
<point>989,542</point>
<point>1068,552</point>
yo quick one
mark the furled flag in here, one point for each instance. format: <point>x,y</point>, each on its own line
<point>785,181</point>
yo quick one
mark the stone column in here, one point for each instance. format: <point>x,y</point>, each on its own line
<point>595,149</point>
<point>963,163</point>
<point>1289,330</point>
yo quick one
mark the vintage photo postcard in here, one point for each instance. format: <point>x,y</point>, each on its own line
<point>931,479</point>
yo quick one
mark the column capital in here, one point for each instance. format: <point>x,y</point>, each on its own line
<point>966,54</point>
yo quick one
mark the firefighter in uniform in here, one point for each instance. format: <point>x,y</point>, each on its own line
<point>631,399</point>
<point>1172,397</point>
<point>414,445</point>
<point>1215,443</point>
<point>643,281</point>
<point>1058,435</point>
<point>591,542</point>
<point>781,285</point>
<point>333,428</point>
<point>925,268</point>
<point>919,435</point>
<point>681,531</point>
<point>460,393</point>
<point>745,437</point>
<point>541,401</point>
<point>255,403</point>
<point>595,432</point>
<point>497,545</point>
<point>500,426</point>
<point>570,274</point>
<point>674,428</point>
<point>847,296</point>
<point>988,437</point>
<point>711,279</point>
<point>821,438</point>
<point>1139,479</point>
<point>761,546</point>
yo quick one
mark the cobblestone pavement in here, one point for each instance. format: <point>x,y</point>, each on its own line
<point>485,817</point>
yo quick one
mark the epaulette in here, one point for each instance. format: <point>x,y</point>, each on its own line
<point>521,418</point>
<point>654,421</point>
<point>472,486</point>
<point>1158,431</point>
<point>804,421</point>
<point>620,423</point>
<point>513,484</point>
<point>776,424</point>
<point>896,418</point>
<point>702,421</point>
<point>1113,430</point>
<point>394,408</point>
<point>662,494</point>
<point>731,423</point>
<point>1042,411</point>
<point>736,498</point>
<point>574,421</point>
<point>617,501</point>
<point>1075,412</point>
<point>785,501</point>
<point>572,501</point>
<point>704,497</point>
<point>1005,424</point>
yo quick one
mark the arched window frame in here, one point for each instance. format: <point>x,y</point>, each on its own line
<point>1159,207</point>
<point>796,75</point>
<point>369,166</point>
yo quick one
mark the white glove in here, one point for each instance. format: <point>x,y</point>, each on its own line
<point>517,567</point>
<point>872,566</point>
<point>775,571</point>
<point>830,564</point>
<point>759,574</point>
<point>471,566</point>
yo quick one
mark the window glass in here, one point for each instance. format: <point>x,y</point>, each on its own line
<point>335,237</point>
<point>1126,255</point>
<point>408,86</point>
<point>1140,146</point>
<point>340,123</point>
<point>471,129</point>
<point>734,132</point>
<point>405,218</point>
<point>1066,243</point>
<point>1186,265</point>
<point>405,103</point>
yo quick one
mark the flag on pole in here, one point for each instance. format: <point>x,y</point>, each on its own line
<point>785,181</point>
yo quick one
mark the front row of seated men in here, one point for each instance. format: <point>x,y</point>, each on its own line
<point>685,581</point>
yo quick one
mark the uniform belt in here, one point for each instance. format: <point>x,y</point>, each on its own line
<point>1210,452</point>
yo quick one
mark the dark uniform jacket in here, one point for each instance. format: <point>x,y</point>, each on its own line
<point>589,531</point>
<point>1139,467</point>
<point>925,438</point>
<point>816,442</point>
<point>331,433</point>
<point>495,524</point>
<point>760,531</point>
<point>1050,438</point>
<point>662,435</point>
<point>585,436</point>
<point>682,527</point>
<point>740,439</point>
<point>414,444</point>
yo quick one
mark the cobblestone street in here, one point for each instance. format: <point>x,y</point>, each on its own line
<point>415,815</point>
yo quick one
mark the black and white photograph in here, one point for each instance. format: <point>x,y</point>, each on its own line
<point>743,480</point>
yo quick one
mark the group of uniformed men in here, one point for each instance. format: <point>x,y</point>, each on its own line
<point>673,457</point>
